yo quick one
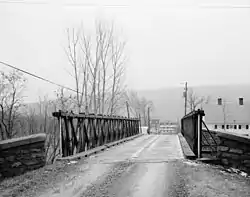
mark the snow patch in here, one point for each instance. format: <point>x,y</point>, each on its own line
<point>191,163</point>
<point>236,171</point>
<point>243,174</point>
<point>72,162</point>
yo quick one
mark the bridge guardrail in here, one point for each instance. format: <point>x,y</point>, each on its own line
<point>81,132</point>
<point>201,140</point>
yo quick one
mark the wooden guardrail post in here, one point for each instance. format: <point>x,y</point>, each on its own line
<point>199,134</point>
<point>60,136</point>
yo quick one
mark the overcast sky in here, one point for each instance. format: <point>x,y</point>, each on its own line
<point>169,41</point>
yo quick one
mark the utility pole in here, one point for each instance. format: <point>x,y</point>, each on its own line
<point>140,123</point>
<point>185,95</point>
<point>127,108</point>
<point>224,112</point>
<point>148,120</point>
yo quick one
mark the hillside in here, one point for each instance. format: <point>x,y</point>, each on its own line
<point>169,103</point>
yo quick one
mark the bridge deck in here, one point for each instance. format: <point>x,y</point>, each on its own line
<point>151,165</point>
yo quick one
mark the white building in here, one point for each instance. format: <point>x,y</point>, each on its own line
<point>144,130</point>
<point>168,129</point>
<point>232,118</point>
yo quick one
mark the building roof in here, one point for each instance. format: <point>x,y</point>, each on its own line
<point>234,113</point>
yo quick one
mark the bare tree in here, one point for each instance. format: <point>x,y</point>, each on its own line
<point>73,53</point>
<point>106,36</point>
<point>86,64</point>
<point>118,61</point>
<point>49,125</point>
<point>12,86</point>
<point>194,101</point>
<point>134,102</point>
<point>63,100</point>
<point>90,65</point>
<point>139,106</point>
<point>31,120</point>
<point>51,128</point>
<point>144,105</point>
<point>98,64</point>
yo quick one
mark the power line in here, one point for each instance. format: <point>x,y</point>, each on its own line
<point>38,77</point>
<point>185,104</point>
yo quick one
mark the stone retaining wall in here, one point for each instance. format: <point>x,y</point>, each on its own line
<point>22,154</point>
<point>234,150</point>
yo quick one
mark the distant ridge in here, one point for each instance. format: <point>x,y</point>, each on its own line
<point>169,102</point>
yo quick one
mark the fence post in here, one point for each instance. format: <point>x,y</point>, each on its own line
<point>199,133</point>
<point>140,123</point>
<point>60,136</point>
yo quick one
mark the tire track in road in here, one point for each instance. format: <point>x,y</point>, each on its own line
<point>95,169</point>
<point>102,187</point>
<point>146,146</point>
<point>116,174</point>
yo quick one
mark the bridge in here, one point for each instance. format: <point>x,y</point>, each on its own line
<point>109,156</point>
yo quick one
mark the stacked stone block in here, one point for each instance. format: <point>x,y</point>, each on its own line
<point>234,151</point>
<point>21,155</point>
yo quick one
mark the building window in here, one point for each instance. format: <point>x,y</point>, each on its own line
<point>231,126</point>
<point>239,126</point>
<point>223,126</point>
<point>247,126</point>
<point>240,101</point>
<point>215,126</point>
<point>227,126</point>
<point>219,101</point>
<point>235,126</point>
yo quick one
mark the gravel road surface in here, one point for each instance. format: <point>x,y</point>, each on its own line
<point>149,166</point>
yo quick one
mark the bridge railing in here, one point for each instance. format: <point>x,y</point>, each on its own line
<point>81,132</point>
<point>210,142</point>
<point>201,140</point>
<point>189,129</point>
